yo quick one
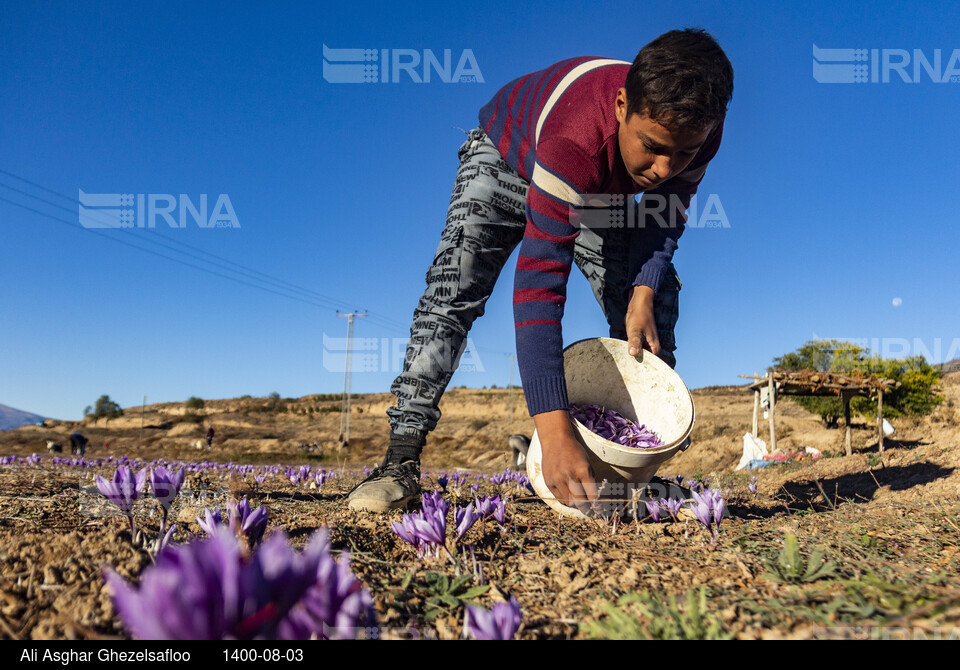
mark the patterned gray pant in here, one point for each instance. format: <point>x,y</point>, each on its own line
<point>485,223</point>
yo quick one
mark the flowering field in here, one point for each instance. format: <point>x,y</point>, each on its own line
<point>124,543</point>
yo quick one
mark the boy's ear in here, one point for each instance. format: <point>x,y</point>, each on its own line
<point>622,104</point>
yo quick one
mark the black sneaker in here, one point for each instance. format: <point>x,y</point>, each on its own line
<point>390,486</point>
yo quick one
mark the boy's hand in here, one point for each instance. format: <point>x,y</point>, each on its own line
<point>640,325</point>
<point>566,471</point>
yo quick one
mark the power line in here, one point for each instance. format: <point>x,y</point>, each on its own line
<point>156,253</point>
<point>308,296</point>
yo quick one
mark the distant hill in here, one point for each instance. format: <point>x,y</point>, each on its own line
<point>950,366</point>
<point>11,418</point>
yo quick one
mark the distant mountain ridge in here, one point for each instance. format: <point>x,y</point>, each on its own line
<point>11,418</point>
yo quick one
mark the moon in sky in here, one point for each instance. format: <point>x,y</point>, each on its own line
<point>897,302</point>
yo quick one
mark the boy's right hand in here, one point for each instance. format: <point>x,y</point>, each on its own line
<point>566,471</point>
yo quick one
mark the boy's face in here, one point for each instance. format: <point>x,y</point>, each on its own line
<point>651,153</point>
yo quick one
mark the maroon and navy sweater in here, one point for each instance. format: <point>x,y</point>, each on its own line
<point>557,128</point>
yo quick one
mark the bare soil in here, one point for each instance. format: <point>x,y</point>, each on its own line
<point>886,526</point>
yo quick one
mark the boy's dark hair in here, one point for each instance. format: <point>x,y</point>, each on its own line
<point>682,79</point>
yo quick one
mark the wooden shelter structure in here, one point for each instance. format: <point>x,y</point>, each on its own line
<point>815,383</point>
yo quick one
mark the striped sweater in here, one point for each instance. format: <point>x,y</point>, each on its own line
<point>557,128</point>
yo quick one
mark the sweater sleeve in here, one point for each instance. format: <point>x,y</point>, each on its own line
<point>561,175</point>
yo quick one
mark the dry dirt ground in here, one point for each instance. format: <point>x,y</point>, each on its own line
<point>877,534</point>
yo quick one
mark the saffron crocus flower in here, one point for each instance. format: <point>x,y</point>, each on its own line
<point>500,511</point>
<point>703,513</point>
<point>210,522</point>
<point>653,510</point>
<point>425,534</point>
<point>465,518</point>
<point>163,539</point>
<point>210,590</point>
<point>494,506</point>
<point>434,502</point>
<point>442,480</point>
<point>709,508</point>
<point>251,523</point>
<point>166,486</point>
<point>672,506</point>
<point>425,530</point>
<point>719,507</point>
<point>484,505</point>
<point>500,623</point>
<point>406,531</point>
<point>123,490</point>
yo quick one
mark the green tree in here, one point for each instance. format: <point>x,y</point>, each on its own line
<point>915,395</point>
<point>106,408</point>
<point>193,402</point>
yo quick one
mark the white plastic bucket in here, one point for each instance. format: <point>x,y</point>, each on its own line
<point>643,389</point>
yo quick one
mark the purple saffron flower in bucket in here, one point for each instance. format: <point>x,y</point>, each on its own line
<point>613,426</point>
<point>499,623</point>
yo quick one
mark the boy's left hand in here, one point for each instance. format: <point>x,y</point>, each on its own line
<point>640,325</point>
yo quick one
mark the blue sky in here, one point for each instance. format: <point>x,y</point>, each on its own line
<point>839,197</point>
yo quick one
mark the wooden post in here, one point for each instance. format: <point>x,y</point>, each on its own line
<point>756,414</point>
<point>880,418</point>
<point>771,393</point>
<point>847,440</point>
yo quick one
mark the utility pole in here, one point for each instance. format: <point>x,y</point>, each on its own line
<point>344,439</point>
<point>141,419</point>
<point>510,386</point>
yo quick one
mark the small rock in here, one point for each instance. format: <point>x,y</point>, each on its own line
<point>51,575</point>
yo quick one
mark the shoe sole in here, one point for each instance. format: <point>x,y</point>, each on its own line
<point>379,506</point>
